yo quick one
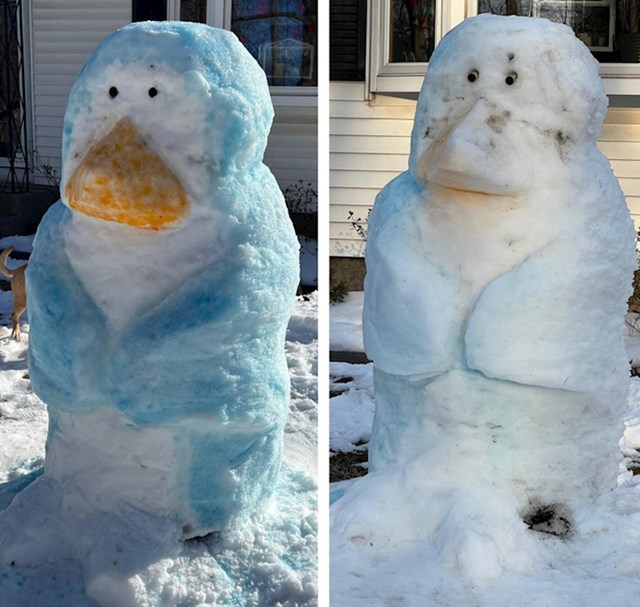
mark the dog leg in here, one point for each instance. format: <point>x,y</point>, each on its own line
<point>15,325</point>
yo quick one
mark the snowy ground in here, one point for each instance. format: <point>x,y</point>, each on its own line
<point>271,563</point>
<point>600,574</point>
<point>345,320</point>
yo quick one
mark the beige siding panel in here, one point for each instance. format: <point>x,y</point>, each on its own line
<point>634,205</point>
<point>346,109</point>
<point>370,145</point>
<point>625,150</point>
<point>368,162</point>
<point>345,241</point>
<point>347,91</point>
<point>362,179</point>
<point>378,128</point>
<point>623,116</point>
<point>626,168</point>
<point>340,214</point>
<point>350,197</point>
<point>292,152</point>
<point>620,132</point>
<point>631,187</point>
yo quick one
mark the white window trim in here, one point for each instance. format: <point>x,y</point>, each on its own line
<point>386,77</point>
<point>219,15</point>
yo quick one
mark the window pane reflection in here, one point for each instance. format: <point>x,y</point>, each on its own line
<point>608,27</point>
<point>412,30</point>
<point>282,36</point>
<point>193,10</point>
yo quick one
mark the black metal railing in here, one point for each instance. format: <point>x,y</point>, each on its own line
<point>14,164</point>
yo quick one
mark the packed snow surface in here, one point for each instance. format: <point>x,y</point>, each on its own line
<point>494,447</point>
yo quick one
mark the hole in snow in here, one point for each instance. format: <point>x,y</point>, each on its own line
<point>554,519</point>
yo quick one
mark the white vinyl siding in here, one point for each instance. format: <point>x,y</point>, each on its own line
<point>370,146</point>
<point>620,142</point>
<point>292,152</point>
<point>63,35</point>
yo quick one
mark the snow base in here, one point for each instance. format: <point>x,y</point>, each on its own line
<point>137,560</point>
<point>473,478</point>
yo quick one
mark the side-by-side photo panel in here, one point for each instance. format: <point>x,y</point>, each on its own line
<point>484,428</point>
<point>159,304</point>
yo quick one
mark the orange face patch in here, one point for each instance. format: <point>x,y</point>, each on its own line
<point>121,179</point>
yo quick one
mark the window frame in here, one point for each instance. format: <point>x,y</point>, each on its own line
<point>219,15</point>
<point>386,77</point>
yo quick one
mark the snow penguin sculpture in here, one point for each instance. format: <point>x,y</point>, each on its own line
<point>161,286</point>
<point>498,269</point>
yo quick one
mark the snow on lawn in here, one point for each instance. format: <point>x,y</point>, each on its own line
<point>345,324</point>
<point>599,573</point>
<point>351,385</point>
<point>352,410</point>
<point>272,562</point>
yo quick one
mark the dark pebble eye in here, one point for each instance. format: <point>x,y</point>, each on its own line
<point>473,76</point>
<point>511,78</point>
<point>113,92</point>
<point>153,91</point>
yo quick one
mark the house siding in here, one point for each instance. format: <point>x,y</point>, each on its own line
<point>369,146</point>
<point>64,34</point>
<point>292,151</point>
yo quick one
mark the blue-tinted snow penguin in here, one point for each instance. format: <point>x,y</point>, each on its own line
<point>498,269</point>
<point>161,285</point>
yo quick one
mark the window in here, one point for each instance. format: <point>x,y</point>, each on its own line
<point>281,35</point>
<point>608,27</point>
<point>149,10</point>
<point>403,35</point>
<point>412,30</point>
<point>193,10</point>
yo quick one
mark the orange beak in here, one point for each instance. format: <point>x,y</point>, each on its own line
<point>120,179</point>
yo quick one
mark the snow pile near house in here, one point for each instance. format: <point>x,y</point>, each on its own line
<point>345,320</point>
<point>160,288</point>
<point>498,267</point>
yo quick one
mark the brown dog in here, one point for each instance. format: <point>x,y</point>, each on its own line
<point>19,293</point>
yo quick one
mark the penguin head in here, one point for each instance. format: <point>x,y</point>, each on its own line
<point>504,96</point>
<point>159,112</point>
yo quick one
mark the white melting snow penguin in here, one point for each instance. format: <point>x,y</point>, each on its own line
<point>498,269</point>
<point>160,288</point>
